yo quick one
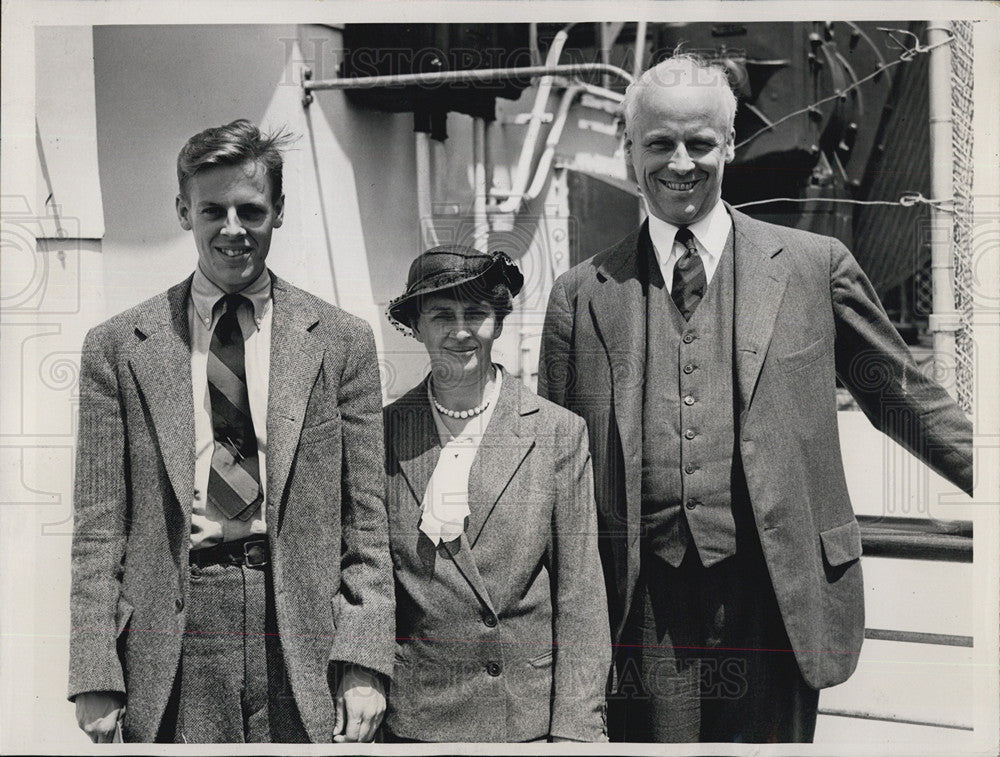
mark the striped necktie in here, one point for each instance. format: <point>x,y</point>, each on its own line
<point>690,280</point>
<point>234,481</point>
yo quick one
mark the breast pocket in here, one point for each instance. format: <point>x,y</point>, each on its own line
<point>320,431</point>
<point>799,359</point>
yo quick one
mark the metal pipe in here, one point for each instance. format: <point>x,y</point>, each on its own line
<point>477,76</point>
<point>640,48</point>
<point>590,89</point>
<point>944,320</point>
<point>480,222</point>
<point>489,146</point>
<point>916,538</point>
<point>918,637</point>
<point>551,141</point>
<point>867,715</point>
<point>422,149</point>
<point>520,178</point>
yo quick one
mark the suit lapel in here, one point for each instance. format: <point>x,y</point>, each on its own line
<point>618,308</point>
<point>161,364</point>
<point>295,364</point>
<point>460,552</point>
<point>416,448</point>
<point>504,446</point>
<point>760,280</point>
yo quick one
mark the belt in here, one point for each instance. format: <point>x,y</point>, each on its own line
<point>252,552</point>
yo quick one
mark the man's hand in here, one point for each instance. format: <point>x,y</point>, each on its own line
<point>359,705</point>
<point>98,714</point>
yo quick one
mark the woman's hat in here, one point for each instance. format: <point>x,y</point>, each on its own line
<point>450,267</point>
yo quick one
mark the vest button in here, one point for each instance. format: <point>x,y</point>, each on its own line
<point>489,620</point>
<point>689,337</point>
<point>689,434</point>
<point>691,504</point>
<point>494,669</point>
<point>690,468</point>
<point>689,368</point>
<point>689,400</point>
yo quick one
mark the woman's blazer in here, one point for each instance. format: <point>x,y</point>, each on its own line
<point>502,635</point>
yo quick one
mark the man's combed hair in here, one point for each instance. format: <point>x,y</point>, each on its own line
<point>665,73</point>
<point>231,145</point>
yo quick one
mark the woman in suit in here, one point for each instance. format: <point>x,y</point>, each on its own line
<point>501,616</point>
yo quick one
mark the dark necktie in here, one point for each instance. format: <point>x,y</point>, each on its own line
<point>234,482</point>
<point>690,280</point>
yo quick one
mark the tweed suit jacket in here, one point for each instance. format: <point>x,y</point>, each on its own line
<point>325,512</point>
<point>804,314</point>
<point>504,636</point>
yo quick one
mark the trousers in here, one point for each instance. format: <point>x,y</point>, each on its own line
<point>705,658</point>
<point>232,686</point>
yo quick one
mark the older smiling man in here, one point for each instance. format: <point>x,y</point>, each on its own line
<point>703,351</point>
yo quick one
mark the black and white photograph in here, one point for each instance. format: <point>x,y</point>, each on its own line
<point>514,377</point>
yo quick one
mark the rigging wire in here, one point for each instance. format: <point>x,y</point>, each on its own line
<point>906,200</point>
<point>908,54</point>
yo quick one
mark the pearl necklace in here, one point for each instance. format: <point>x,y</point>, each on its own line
<point>460,414</point>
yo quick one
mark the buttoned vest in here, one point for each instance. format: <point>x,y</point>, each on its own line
<point>689,420</point>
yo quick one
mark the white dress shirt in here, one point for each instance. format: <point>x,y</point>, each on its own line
<point>208,525</point>
<point>446,500</point>
<point>710,235</point>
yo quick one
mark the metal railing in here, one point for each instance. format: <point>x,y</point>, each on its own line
<point>916,538</point>
<point>472,76</point>
<point>912,539</point>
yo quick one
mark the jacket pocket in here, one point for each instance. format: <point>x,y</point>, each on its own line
<point>793,361</point>
<point>320,431</point>
<point>543,660</point>
<point>841,544</point>
<point>334,611</point>
<point>123,614</point>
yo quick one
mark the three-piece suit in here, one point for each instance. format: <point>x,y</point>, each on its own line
<point>802,314</point>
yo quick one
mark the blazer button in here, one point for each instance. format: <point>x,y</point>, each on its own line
<point>179,604</point>
<point>691,504</point>
<point>494,669</point>
<point>489,620</point>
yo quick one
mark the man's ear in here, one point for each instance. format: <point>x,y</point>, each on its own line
<point>629,167</point>
<point>731,145</point>
<point>497,329</point>
<point>183,212</point>
<point>279,212</point>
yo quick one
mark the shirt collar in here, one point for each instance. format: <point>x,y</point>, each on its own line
<point>205,295</point>
<point>711,231</point>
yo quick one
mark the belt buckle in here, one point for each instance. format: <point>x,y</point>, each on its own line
<point>249,558</point>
